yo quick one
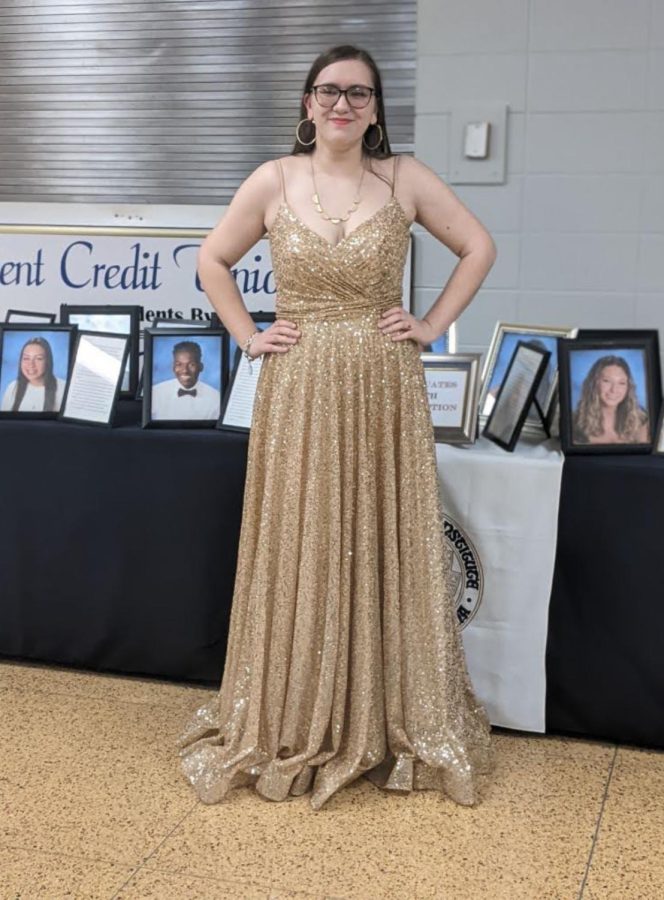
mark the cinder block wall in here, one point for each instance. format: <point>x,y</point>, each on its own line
<point>579,223</point>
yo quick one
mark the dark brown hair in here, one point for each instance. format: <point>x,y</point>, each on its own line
<point>336,54</point>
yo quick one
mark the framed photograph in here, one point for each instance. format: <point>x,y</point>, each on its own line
<point>238,406</point>
<point>97,366</point>
<point>502,346</point>
<point>28,317</point>
<point>191,324</point>
<point>182,377</point>
<point>515,396</point>
<point>610,392</point>
<point>116,320</point>
<point>34,365</point>
<point>453,386</point>
<point>658,445</point>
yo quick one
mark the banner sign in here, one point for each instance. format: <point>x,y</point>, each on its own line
<point>42,267</point>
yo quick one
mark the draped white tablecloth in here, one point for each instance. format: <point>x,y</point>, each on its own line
<point>506,508</point>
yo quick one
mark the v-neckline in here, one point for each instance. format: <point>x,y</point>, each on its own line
<point>285,205</point>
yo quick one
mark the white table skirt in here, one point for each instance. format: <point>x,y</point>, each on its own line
<point>506,507</point>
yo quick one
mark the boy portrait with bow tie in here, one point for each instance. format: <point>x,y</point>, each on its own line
<point>186,397</point>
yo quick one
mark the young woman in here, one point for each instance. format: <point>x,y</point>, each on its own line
<point>609,411</point>
<point>344,656</point>
<point>36,389</point>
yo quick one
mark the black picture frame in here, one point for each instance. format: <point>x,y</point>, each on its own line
<point>36,331</point>
<point>162,324</point>
<point>508,440</point>
<point>135,314</point>
<point>180,334</point>
<point>624,347</point>
<point>78,336</point>
<point>33,316</point>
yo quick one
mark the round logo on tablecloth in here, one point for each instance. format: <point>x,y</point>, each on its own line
<point>467,574</point>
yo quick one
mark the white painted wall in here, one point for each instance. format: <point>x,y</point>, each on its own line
<point>579,223</point>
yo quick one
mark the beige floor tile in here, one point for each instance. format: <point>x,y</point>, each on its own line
<point>627,863</point>
<point>28,875</point>
<point>284,894</point>
<point>150,885</point>
<point>77,683</point>
<point>529,839</point>
<point>89,777</point>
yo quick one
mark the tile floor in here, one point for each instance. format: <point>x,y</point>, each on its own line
<point>92,805</point>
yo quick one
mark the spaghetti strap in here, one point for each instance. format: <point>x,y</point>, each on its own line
<point>283,184</point>
<point>394,175</point>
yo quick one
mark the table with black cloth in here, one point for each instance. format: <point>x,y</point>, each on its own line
<point>605,656</point>
<point>118,550</point>
<point>118,545</point>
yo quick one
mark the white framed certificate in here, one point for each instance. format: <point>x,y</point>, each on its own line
<point>238,405</point>
<point>516,394</point>
<point>98,364</point>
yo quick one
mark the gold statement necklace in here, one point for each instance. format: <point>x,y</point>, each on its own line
<point>336,220</point>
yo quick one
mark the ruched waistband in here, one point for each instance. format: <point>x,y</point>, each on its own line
<point>308,310</point>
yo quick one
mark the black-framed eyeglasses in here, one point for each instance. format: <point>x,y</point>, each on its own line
<point>357,95</point>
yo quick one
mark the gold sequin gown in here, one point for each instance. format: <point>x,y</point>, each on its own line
<point>344,656</point>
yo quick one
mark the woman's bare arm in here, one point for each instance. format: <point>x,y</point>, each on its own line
<point>438,209</point>
<point>241,227</point>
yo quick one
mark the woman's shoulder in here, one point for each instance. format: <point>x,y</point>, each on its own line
<point>8,396</point>
<point>259,187</point>
<point>643,427</point>
<point>266,174</point>
<point>414,167</point>
<point>60,385</point>
<point>289,161</point>
<point>262,180</point>
<point>416,181</point>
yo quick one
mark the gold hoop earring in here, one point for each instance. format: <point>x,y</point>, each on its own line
<point>380,139</point>
<point>297,133</point>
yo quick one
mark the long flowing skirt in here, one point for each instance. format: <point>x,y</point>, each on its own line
<point>344,656</point>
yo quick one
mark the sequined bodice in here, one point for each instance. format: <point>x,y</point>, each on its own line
<point>363,272</point>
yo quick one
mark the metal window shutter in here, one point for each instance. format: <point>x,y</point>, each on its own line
<point>174,101</point>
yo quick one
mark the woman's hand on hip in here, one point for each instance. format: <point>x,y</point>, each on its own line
<point>403,326</point>
<point>279,337</point>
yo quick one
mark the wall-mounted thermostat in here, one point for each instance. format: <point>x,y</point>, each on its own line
<point>478,137</point>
